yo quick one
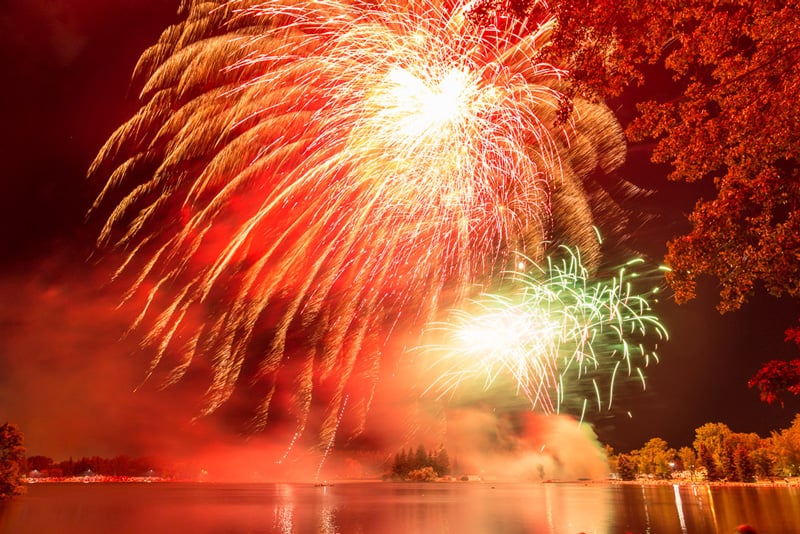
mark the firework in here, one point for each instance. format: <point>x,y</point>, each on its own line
<point>304,176</point>
<point>559,337</point>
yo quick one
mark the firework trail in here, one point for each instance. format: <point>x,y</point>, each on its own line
<point>558,337</point>
<point>304,176</point>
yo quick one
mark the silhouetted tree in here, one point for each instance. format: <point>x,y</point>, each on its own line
<point>406,463</point>
<point>778,376</point>
<point>441,462</point>
<point>401,466</point>
<point>421,458</point>
<point>12,461</point>
<point>40,463</point>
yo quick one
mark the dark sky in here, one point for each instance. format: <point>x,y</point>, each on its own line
<point>68,380</point>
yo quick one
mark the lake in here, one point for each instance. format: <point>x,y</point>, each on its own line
<point>378,507</point>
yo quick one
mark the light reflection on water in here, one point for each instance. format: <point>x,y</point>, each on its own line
<point>390,508</point>
<point>679,507</point>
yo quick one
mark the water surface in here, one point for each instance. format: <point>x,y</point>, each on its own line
<point>388,508</point>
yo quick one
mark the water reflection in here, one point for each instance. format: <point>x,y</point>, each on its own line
<point>284,510</point>
<point>706,509</point>
<point>289,517</point>
<point>399,508</point>
<point>679,506</point>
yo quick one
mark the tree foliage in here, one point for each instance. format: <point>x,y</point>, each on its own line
<point>744,466</point>
<point>714,437</point>
<point>40,463</point>
<point>786,450</point>
<point>423,474</point>
<point>763,464</point>
<point>718,453</point>
<point>706,461</point>
<point>778,376</point>
<point>655,458</point>
<point>12,461</point>
<point>687,458</point>
<point>626,467</point>
<point>734,122</point>
<point>775,377</point>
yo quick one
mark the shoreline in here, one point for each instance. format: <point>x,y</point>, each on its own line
<point>97,479</point>
<point>792,482</point>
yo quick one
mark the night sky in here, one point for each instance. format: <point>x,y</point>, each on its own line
<point>67,376</point>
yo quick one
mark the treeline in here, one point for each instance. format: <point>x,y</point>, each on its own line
<point>717,454</point>
<point>420,465</point>
<point>118,466</point>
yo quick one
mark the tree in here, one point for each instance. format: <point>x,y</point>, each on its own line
<point>730,119</point>
<point>762,460</point>
<point>611,458</point>
<point>12,461</point>
<point>423,474</point>
<point>736,72</point>
<point>714,437</point>
<point>786,449</point>
<point>655,458</point>
<point>40,463</point>
<point>413,465</point>
<point>705,459</point>
<point>67,467</point>
<point>778,376</point>
<point>401,465</point>
<point>727,463</point>
<point>626,467</point>
<point>687,458</point>
<point>743,465</point>
<point>421,458</point>
<point>441,462</point>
